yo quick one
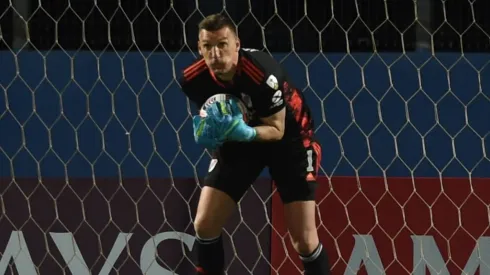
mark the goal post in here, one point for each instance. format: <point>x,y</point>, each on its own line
<point>99,172</point>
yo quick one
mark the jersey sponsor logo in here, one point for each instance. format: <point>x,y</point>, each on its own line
<point>277,99</point>
<point>272,82</point>
<point>247,100</point>
<point>277,96</point>
<point>248,103</point>
<point>279,103</point>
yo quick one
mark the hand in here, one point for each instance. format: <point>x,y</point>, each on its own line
<point>227,120</point>
<point>232,128</point>
<point>204,134</point>
<point>219,109</point>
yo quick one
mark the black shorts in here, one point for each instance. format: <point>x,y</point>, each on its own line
<point>293,166</point>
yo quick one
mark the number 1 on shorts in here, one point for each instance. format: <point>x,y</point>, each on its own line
<point>310,161</point>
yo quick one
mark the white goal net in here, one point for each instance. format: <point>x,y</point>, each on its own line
<point>99,172</point>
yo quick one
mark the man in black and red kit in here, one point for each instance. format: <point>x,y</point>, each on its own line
<point>279,135</point>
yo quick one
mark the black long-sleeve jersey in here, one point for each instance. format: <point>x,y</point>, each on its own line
<point>262,84</point>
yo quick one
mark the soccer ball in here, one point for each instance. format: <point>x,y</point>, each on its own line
<point>223,98</point>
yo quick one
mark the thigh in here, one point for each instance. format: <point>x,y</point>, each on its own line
<point>294,169</point>
<point>233,169</point>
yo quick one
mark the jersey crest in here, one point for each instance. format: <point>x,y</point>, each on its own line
<point>246,99</point>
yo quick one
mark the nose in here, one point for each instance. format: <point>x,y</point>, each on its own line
<point>215,53</point>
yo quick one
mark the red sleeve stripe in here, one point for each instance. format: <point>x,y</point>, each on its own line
<point>195,73</point>
<point>253,67</point>
<point>251,74</point>
<point>194,66</point>
<point>194,69</point>
<point>252,71</point>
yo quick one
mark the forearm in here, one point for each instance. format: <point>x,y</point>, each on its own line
<point>268,133</point>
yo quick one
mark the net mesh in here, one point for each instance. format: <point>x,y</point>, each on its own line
<point>100,173</point>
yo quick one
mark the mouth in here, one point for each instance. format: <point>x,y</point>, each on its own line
<point>217,66</point>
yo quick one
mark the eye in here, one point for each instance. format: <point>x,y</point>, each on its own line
<point>222,44</point>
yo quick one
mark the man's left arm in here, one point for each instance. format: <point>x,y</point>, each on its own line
<point>270,106</point>
<point>272,128</point>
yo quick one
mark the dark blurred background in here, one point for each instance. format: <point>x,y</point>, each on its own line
<point>279,26</point>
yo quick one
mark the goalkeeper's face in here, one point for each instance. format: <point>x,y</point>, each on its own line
<point>220,51</point>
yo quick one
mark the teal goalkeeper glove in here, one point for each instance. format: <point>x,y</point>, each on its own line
<point>230,107</point>
<point>234,128</point>
<point>229,122</point>
<point>204,134</point>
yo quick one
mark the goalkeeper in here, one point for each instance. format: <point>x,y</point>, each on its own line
<point>279,135</point>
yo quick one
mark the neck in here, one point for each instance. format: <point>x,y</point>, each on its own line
<point>228,76</point>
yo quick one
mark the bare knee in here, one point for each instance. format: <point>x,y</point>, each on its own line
<point>213,211</point>
<point>206,227</point>
<point>305,242</point>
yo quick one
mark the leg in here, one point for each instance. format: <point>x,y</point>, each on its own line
<point>231,173</point>
<point>300,220</point>
<point>294,172</point>
<point>213,210</point>
<point>301,223</point>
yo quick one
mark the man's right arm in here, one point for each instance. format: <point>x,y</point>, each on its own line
<point>188,79</point>
<point>188,90</point>
<point>202,132</point>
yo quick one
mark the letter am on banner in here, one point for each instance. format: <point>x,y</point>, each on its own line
<point>402,226</point>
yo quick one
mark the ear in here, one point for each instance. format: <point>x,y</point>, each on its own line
<point>238,44</point>
<point>199,48</point>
